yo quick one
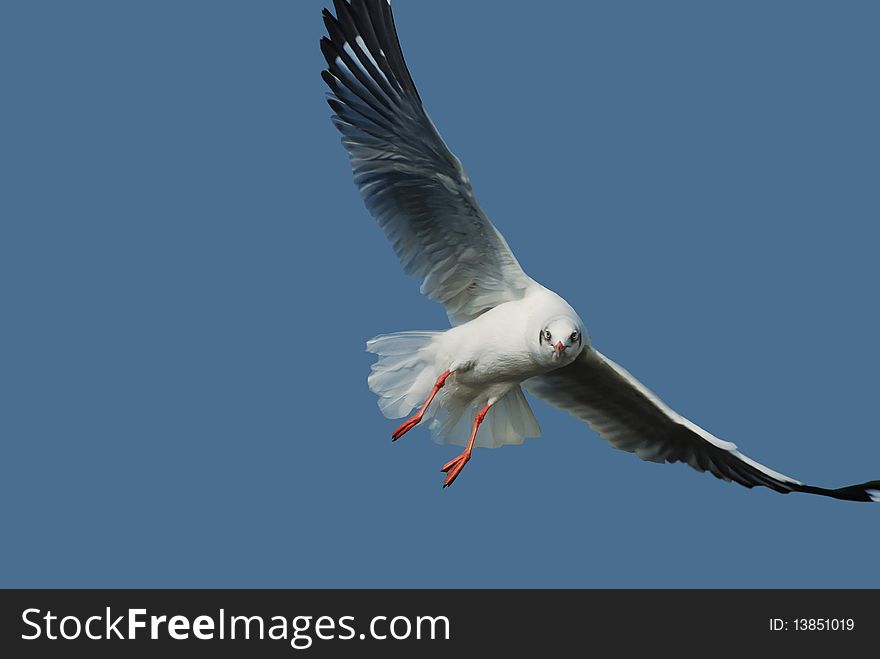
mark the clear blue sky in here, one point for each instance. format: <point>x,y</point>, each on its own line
<point>188,277</point>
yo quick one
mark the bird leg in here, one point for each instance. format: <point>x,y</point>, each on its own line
<point>453,467</point>
<point>414,420</point>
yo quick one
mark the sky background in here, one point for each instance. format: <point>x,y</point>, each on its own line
<point>188,276</point>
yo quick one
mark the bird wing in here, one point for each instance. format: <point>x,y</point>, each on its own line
<point>632,418</point>
<point>410,181</point>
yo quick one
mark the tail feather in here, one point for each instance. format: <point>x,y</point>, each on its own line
<point>512,419</point>
<point>401,378</point>
<point>400,343</point>
<point>509,421</point>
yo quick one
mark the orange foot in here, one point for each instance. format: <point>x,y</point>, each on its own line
<point>406,426</point>
<point>453,467</point>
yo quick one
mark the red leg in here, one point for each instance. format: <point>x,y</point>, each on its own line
<point>414,420</point>
<point>453,467</point>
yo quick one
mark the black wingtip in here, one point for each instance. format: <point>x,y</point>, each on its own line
<point>328,50</point>
<point>863,492</point>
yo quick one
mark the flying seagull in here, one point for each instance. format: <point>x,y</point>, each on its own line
<point>508,331</point>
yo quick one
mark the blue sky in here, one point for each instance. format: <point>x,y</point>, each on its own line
<point>189,276</point>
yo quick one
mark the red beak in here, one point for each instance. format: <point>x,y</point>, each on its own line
<point>559,346</point>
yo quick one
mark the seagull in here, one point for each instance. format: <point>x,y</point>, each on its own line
<point>508,332</point>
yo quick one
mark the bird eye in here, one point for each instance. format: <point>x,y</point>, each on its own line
<point>546,335</point>
<point>574,336</point>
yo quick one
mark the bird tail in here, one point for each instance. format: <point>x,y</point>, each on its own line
<point>510,421</point>
<point>402,378</point>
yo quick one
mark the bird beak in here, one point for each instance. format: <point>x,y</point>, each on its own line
<point>559,347</point>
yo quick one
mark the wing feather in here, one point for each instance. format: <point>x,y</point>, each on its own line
<point>410,181</point>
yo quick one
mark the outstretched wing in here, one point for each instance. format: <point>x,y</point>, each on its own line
<point>413,185</point>
<point>631,418</point>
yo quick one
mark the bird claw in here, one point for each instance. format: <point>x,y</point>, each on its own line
<point>405,427</point>
<point>453,467</point>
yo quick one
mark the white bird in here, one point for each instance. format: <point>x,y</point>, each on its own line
<point>507,330</point>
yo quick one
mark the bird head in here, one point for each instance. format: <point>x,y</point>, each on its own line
<point>561,339</point>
